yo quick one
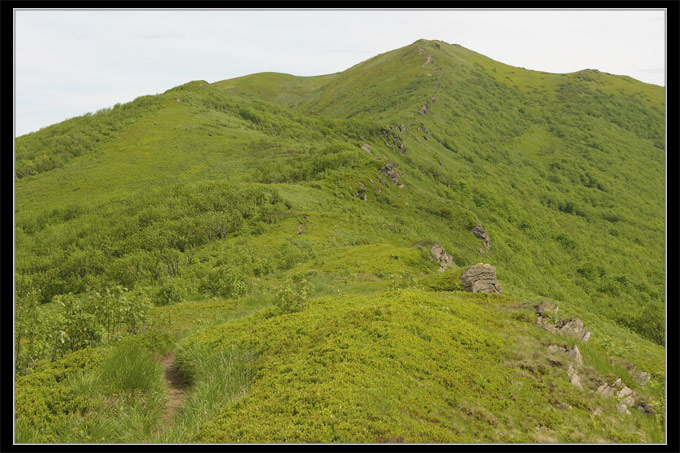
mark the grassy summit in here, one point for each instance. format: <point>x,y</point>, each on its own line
<point>274,232</point>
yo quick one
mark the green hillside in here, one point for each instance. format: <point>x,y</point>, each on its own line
<point>266,241</point>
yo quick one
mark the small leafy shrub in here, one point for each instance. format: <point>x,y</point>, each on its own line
<point>291,297</point>
<point>226,282</point>
<point>170,292</point>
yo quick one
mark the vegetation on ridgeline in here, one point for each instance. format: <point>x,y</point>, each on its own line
<point>246,226</point>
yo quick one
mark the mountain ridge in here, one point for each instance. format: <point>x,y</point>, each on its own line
<point>277,233</point>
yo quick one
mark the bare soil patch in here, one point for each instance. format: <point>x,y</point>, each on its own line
<point>176,383</point>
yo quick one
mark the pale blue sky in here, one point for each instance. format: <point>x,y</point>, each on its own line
<point>70,62</point>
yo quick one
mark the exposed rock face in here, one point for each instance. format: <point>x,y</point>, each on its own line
<point>481,278</point>
<point>439,254</point>
<point>390,171</point>
<point>366,147</point>
<point>480,233</point>
<point>573,327</point>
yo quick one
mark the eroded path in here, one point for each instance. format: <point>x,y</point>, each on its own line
<point>175,384</point>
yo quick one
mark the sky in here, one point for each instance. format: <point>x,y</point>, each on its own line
<point>71,62</point>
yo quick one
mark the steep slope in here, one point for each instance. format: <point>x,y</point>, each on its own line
<point>539,153</point>
<point>329,190</point>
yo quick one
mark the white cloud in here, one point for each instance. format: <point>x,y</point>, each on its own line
<point>70,60</point>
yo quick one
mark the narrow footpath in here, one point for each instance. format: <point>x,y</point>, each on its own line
<point>175,385</point>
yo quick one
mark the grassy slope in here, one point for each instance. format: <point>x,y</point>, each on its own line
<point>565,172</point>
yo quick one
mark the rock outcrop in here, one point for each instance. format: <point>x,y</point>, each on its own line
<point>574,378</point>
<point>439,254</point>
<point>576,362</point>
<point>626,397</point>
<point>570,326</point>
<point>481,278</point>
<point>480,233</point>
<point>573,327</point>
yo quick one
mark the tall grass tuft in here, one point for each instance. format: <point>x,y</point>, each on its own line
<point>131,368</point>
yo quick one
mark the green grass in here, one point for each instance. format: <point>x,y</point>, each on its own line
<point>209,206</point>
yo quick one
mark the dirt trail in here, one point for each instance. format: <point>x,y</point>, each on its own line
<point>175,383</point>
<point>427,60</point>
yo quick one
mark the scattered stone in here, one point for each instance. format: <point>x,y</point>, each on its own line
<point>623,409</point>
<point>390,170</point>
<point>178,99</point>
<point>361,184</point>
<point>606,390</point>
<point>481,278</point>
<point>640,377</point>
<point>573,327</point>
<point>597,411</point>
<point>646,407</point>
<point>439,254</point>
<point>546,306</point>
<point>371,181</point>
<point>624,392</point>
<point>366,147</point>
<point>401,186</point>
<point>362,194</point>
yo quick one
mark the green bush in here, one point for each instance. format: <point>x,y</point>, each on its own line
<point>170,292</point>
<point>292,295</point>
<point>226,282</point>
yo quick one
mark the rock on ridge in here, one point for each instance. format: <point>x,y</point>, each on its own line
<point>481,278</point>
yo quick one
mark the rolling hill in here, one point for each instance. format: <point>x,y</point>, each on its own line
<point>271,240</point>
